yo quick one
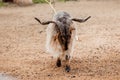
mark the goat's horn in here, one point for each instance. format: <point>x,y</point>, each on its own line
<point>45,23</point>
<point>48,22</point>
<point>81,20</point>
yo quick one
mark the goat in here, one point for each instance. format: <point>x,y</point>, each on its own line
<point>61,33</point>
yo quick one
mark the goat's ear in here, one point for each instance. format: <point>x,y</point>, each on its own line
<point>71,29</point>
<point>81,20</point>
<point>45,23</point>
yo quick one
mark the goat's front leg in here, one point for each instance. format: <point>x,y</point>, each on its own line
<point>58,63</point>
<point>67,65</point>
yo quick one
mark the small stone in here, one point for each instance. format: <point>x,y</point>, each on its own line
<point>40,31</point>
<point>73,76</point>
<point>48,74</point>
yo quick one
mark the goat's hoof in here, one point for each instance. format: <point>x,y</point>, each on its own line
<point>67,69</point>
<point>58,63</point>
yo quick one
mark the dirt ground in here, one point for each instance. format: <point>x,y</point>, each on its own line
<point>96,54</point>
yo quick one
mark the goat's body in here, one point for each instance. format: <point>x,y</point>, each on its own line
<point>52,43</point>
<point>61,34</point>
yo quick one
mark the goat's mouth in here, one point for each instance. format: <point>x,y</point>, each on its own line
<point>65,47</point>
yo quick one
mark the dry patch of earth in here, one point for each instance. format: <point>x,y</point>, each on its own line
<point>96,55</point>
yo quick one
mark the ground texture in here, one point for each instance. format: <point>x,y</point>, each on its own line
<point>96,54</point>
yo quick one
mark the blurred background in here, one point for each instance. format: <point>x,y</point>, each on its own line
<point>28,2</point>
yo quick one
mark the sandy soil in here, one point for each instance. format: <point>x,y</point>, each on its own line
<point>96,54</point>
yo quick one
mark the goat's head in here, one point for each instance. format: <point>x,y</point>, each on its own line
<point>64,29</point>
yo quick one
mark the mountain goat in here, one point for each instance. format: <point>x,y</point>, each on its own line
<point>61,34</point>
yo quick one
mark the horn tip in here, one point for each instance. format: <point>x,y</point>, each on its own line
<point>89,17</point>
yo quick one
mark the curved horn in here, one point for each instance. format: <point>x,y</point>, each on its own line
<point>45,23</point>
<point>81,20</point>
<point>48,22</point>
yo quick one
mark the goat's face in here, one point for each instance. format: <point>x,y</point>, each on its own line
<point>65,32</point>
<point>64,38</point>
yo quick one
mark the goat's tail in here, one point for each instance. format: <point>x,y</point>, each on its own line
<point>49,2</point>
